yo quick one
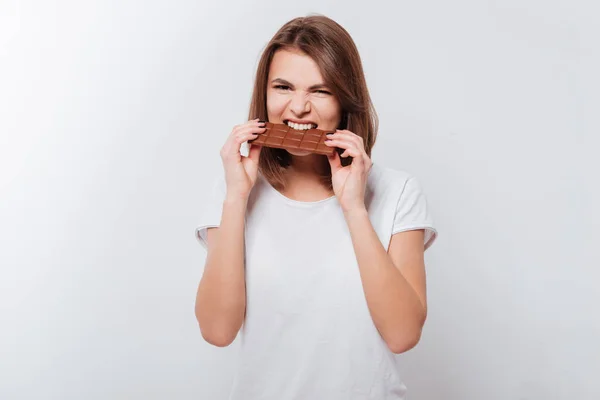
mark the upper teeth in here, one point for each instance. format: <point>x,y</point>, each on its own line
<point>300,126</point>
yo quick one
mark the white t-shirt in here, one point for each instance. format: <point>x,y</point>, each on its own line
<point>308,333</point>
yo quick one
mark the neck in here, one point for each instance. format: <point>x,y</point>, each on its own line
<point>307,167</point>
<point>303,178</point>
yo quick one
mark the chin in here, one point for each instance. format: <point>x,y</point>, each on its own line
<point>299,153</point>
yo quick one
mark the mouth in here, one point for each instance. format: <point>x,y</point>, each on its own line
<point>300,127</point>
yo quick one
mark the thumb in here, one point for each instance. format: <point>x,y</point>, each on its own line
<point>334,162</point>
<point>254,152</point>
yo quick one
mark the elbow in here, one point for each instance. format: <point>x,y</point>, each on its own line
<point>404,344</point>
<point>216,333</point>
<point>217,338</point>
<point>407,340</point>
<point>213,334</point>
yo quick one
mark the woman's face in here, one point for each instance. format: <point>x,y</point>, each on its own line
<point>296,94</point>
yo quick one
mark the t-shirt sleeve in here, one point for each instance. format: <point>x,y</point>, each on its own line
<point>413,212</point>
<point>212,208</point>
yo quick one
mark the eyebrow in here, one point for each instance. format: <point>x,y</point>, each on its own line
<point>284,82</point>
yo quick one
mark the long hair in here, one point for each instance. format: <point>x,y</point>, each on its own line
<point>337,57</point>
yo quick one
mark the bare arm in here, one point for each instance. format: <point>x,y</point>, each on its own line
<point>394,281</point>
<point>221,296</point>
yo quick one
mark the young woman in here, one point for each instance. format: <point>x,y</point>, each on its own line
<point>318,260</point>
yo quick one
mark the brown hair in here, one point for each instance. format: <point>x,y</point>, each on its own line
<point>334,51</point>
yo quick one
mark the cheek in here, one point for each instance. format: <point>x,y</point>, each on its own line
<point>275,104</point>
<point>329,109</point>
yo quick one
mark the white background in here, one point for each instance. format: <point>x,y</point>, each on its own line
<point>112,114</point>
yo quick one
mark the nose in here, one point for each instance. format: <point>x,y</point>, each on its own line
<point>299,104</point>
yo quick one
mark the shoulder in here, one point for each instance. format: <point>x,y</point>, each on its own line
<point>392,188</point>
<point>384,180</point>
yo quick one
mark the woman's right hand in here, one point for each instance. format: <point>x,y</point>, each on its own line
<point>241,172</point>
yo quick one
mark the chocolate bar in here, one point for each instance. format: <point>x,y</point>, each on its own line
<point>282,136</point>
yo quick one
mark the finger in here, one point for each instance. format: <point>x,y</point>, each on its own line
<point>358,162</point>
<point>352,152</point>
<point>347,142</point>
<point>334,162</point>
<point>247,134</point>
<point>241,134</point>
<point>247,125</point>
<point>232,147</point>
<point>250,122</point>
<point>342,144</point>
<point>233,143</point>
<point>345,138</point>
<point>346,134</point>
<point>254,152</point>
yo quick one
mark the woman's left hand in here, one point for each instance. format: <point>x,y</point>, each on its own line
<point>349,182</point>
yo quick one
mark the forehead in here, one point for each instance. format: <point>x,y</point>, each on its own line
<point>295,67</point>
